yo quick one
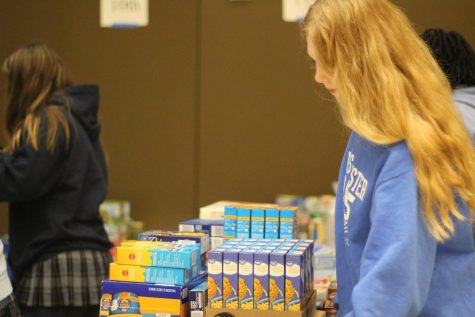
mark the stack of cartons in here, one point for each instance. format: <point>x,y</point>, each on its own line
<point>260,221</point>
<point>156,262</point>
<point>261,274</point>
<point>324,272</point>
<point>151,277</point>
<point>214,228</point>
<point>200,238</point>
<point>198,300</point>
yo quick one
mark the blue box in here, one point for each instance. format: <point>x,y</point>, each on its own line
<point>215,277</point>
<point>214,228</point>
<point>288,223</point>
<point>272,224</point>
<point>199,297</point>
<point>230,222</point>
<point>246,279</point>
<point>261,279</point>
<point>295,275</point>
<point>243,227</point>
<point>161,254</point>
<point>277,280</point>
<point>151,274</point>
<point>180,237</point>
<point>257,223</point>
<point>231,278</point>
<point>146,299</point>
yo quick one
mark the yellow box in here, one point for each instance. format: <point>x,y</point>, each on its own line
<point>150,274</point>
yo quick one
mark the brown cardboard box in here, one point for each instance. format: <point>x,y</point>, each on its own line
<point>308,311</point>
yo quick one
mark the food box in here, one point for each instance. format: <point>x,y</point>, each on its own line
<point>162,254</point>
<point>214,227</point>
<point>151,274</point>
<point>146,299</point>
<point>180,237</point>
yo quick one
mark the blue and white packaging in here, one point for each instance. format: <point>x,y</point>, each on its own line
<point>214,228</point>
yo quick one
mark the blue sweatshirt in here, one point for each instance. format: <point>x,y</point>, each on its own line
<point>387,262</point>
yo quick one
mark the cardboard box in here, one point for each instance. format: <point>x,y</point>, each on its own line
<point>288,223</point>
<point>199,298</point>
<point>324,270</point>
<point>308,311</point>
<point>151,274</point>
<point>145,299</point>
<point>257,223</point>
<point>214,227</point>
<point>180,237</point>
<point>216,210</point>
<point>246,279</point>
<point>230,219</point>
<point>272,224</point>
<point>243,223</point>
<point>162,254</point>
<point>231,243</point>
<point>215,277</point>
<point>230,278</point>
<point>295,281</point>
<point>277,280</point>
<point>216,242</point>
<point>261,279</point>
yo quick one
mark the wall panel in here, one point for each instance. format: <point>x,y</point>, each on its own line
<point>148,86</point>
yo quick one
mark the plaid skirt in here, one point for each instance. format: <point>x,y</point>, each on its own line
<point>71,278</point>
<point>8,307</point>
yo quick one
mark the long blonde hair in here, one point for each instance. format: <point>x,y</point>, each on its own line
<point>390,88</point>
<point>34,73</point>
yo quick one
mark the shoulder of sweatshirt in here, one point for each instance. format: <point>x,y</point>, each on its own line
<point>395,158</point>
<point>398,163</point>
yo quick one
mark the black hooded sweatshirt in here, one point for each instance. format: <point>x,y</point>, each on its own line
<point>54,197</point>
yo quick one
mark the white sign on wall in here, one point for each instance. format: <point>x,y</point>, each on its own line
<point>124,13</point>
<point>295,10</point>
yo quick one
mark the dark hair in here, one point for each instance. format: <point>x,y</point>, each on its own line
<point>34,74</point>
<point>454,54</point>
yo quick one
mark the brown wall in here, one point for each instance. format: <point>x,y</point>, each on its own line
<point>148,80</point>
<point>213,100</point>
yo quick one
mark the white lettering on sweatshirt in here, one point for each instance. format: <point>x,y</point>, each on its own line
<point>354,186</point>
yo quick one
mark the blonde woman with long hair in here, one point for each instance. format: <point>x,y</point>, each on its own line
<point>53,175</point>
<point>407,180</point>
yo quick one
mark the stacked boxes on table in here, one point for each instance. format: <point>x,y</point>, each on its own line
<point>315,218</point>
<point>214,228</point>
<point>215,210</point>
<point>201,238</point>
<point>260,221</point>
<point>146,299</point>
<point>150,278</point>
<point>198,299</point>
<point>324,270</point>
<point>261,274</point>
<point>156,262</point>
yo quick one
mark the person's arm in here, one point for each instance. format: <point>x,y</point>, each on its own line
<point>27,173</point>
<point>399,256</point>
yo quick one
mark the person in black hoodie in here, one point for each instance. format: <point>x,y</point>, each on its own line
<point>456,58</point>
<point>54,177</point>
